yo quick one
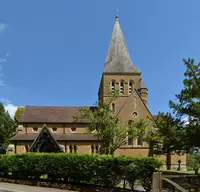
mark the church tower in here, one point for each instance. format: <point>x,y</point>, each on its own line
<point>120,73</point>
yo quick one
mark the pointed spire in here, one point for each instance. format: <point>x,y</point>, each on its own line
<point>118,59</point>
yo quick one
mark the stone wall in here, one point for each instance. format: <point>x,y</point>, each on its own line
<point>188,182</point>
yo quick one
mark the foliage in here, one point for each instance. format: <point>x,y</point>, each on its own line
<point>163,134</point>
<point>100,170</point>
<point>146,128</point>
<point>188,104</point>
<point>106,126</point>
<point>7,128</point>
<point>18,114</point>
<point>193,161</point>
<point>171,135</point>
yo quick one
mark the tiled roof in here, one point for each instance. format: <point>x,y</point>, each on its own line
<point>58,137</point>
<point>51,114</point>
<point>118,59</point>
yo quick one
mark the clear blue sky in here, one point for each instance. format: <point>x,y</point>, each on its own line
<point>53,52</point>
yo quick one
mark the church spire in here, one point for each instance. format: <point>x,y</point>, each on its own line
<point>118,59</point>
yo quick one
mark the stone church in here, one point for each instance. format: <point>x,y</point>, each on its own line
<point>52,128</point>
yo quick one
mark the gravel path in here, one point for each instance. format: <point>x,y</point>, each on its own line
<point>9,187</point>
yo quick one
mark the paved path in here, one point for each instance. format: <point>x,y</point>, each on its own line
<point>9,187</point>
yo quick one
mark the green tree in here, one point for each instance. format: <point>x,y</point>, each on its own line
<point>7,127</point>
<point>188,103</point>
<point>147,130</point>
<point>171,135</point>
<point>18,114</point>
<point>106,126</point>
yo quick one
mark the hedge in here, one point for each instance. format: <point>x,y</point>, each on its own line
<point>99,170</point>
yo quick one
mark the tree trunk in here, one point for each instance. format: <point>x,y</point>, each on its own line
<point>168,160</point>
<point>151,150</point>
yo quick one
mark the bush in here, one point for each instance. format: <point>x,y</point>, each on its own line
<point>100,170</point>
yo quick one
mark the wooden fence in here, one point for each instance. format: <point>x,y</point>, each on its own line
<point>158,181</point>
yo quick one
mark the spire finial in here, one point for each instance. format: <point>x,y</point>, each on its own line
<point>117,13</point>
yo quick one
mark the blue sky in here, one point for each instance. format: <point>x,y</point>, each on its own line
<point>53,52</point>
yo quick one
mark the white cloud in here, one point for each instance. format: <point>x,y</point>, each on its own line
<point>11,109</point>
<point>2,27</point>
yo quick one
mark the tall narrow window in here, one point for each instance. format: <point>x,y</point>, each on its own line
<point>113,108</point>
<point>92,149</point>
<point>122,87</point>
<point>139,140</point>
<point>130,136</point>
<point>113,85</point>
<point>26,148</point>
<point>130,86</point>
<point>75,148</point>
<point>70,149</point>
<point>97,149</point>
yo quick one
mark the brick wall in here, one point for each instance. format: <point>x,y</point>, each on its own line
<point>61,128</point>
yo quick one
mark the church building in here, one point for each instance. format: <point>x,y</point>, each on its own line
<point>53,129</point>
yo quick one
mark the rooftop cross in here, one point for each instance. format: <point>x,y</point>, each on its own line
<point>117,13</point>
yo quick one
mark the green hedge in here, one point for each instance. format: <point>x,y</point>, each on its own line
<point>101,170</point>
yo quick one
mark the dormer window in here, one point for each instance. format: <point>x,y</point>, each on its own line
<point>130,86</point>
<point>113,85</point>
<point>122,87</point>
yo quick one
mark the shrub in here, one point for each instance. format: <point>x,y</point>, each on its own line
<point>100,170</point>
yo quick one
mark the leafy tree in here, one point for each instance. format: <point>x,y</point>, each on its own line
<point>162,134</point>
<point>7,127</point>
<point>171,135</point>
<point>188,104</point>
<point>18,114</point>
<point>106,126</point>
<point>193,161</point>
<point>147,130</point>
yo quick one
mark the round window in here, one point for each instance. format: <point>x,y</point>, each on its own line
<point>134,114</point>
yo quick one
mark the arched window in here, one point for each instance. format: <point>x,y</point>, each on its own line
<point>113,85</point>
<point>97,149</point>
<point>130,86</point>
<point>113,108</point>
<point>92,149</point>
<point>122,87</point>
<point>70,148</point>
<point>75,148</point>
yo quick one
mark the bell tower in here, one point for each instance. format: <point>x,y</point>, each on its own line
<point>120,73</point>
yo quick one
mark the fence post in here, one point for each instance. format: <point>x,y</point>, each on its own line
<point>157,182</point>
<point>160,181</point>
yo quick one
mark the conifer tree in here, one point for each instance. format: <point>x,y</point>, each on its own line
<point>188,103</point>
<point>7,127</point>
